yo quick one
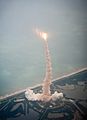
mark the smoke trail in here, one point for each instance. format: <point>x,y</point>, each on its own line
<point>46,94</point>
<point>48,77</point>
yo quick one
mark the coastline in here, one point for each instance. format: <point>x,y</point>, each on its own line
<point>38,85</point>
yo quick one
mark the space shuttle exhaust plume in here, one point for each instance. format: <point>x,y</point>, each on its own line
<point>46,92</point>
<point>41,34</point>
<point>48,76</point>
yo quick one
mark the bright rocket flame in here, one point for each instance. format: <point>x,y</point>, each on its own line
<point>43,35</point>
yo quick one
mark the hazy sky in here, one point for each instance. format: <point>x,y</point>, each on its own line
<point>22,61</point>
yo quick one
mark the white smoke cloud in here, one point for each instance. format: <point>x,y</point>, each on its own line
<point>57,96</point>
<point>30,95</point>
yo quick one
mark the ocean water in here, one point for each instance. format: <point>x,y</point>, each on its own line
<point>22,60</point>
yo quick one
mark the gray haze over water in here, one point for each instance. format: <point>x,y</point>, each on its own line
<point>22,61</point>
